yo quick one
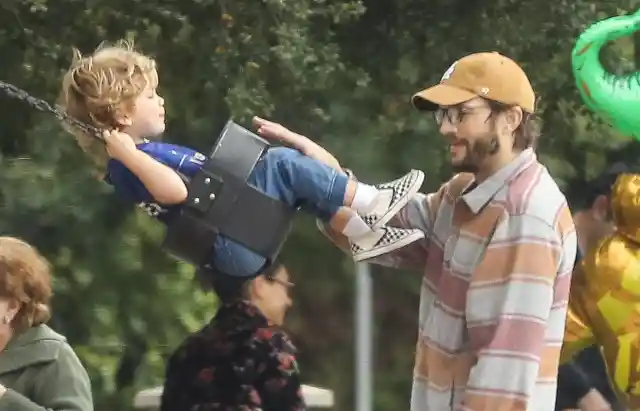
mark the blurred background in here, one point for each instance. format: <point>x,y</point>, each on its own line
<point>340,72</point>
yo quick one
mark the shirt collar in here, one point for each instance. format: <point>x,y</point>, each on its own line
<point>239,316</point>
<point>480,196</point>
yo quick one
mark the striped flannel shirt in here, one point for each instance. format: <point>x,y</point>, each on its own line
<point>497,261</point>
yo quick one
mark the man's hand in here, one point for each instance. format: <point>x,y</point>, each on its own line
<point>118,144</point>
<point>274,131</point>
<point>278,132</point>
<point>594,401</point>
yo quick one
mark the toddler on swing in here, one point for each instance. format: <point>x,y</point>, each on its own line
<point>115,89</point>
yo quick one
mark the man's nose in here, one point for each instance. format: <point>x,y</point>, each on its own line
<point>446,128</point>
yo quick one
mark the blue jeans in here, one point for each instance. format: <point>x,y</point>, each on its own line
<point>294,179</point>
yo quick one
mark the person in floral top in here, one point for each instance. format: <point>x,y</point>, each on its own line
<point>241,360</point>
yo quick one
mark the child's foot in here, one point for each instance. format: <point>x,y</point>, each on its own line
<point>392,197</point>
<point>383,241</point>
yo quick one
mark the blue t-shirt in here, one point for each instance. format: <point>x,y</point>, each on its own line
<point>183,160</point>
<point>227,255</point>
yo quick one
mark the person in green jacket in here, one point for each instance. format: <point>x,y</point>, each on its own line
<point>38,369</point>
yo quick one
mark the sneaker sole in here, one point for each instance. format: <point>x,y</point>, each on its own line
<point>392,211</point>
<point>411,238</point>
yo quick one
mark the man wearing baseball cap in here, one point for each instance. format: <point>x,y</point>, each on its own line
<point>498,251</point>
<point>499,248</point>
<point>489,78</point>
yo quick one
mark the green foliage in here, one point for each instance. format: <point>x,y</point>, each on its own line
<point>340,71</point>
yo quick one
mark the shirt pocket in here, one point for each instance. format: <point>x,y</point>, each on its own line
<point>465,253</point>
<point>471,243</point>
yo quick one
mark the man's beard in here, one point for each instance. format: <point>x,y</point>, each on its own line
<point>476,154</point>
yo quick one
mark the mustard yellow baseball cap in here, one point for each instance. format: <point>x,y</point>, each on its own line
<point>488,74</point>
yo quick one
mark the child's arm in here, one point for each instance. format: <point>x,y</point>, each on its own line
<point>163,183</point>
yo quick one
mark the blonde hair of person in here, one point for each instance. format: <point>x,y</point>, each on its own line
<point>102,87</point>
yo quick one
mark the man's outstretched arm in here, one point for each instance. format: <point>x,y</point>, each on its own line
<point>418,213</point>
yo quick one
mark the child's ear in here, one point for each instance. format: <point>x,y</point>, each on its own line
<point>124,121</point>
<point>121,119</point>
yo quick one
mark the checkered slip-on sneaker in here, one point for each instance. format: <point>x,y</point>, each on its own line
<point>392,197</point>
<point>383,241</point>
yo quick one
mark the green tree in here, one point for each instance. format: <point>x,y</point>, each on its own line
<point>341,72</point>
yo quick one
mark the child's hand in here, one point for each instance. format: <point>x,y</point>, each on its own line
<point>118,144</point>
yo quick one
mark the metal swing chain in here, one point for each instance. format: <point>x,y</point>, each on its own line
<point>41,105</point>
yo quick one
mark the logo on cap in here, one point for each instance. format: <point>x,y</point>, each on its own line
<point>448,73</point>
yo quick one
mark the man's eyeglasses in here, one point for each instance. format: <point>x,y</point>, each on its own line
<point>454,115</point>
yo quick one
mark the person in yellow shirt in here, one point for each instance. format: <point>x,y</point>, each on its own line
<point>604,306</point>
<point>583,382</point>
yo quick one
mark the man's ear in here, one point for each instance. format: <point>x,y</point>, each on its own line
<point>513,118</point>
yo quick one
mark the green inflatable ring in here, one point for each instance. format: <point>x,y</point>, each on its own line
<point>616,99</point>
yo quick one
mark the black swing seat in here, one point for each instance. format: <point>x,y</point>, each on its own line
<point>221,202</point>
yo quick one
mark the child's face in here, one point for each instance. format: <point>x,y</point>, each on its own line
<point>147,118</point>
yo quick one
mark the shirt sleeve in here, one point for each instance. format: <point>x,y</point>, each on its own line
<point>419,213</point>
<point>181,159</point>
<point>578,331</point>
<point>516,304</point>
<point>62,385</point>
<point>126,184</point>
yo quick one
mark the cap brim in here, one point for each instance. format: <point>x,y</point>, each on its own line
<point>440,95</point>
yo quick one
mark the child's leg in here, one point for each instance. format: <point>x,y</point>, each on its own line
<point>296,179</point>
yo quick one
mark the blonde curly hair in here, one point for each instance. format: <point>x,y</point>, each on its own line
<point>25,276</point>
<point>100,88</point>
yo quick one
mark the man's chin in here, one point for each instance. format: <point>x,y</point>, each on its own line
<point>457,163</point>
<point>462,167</point>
